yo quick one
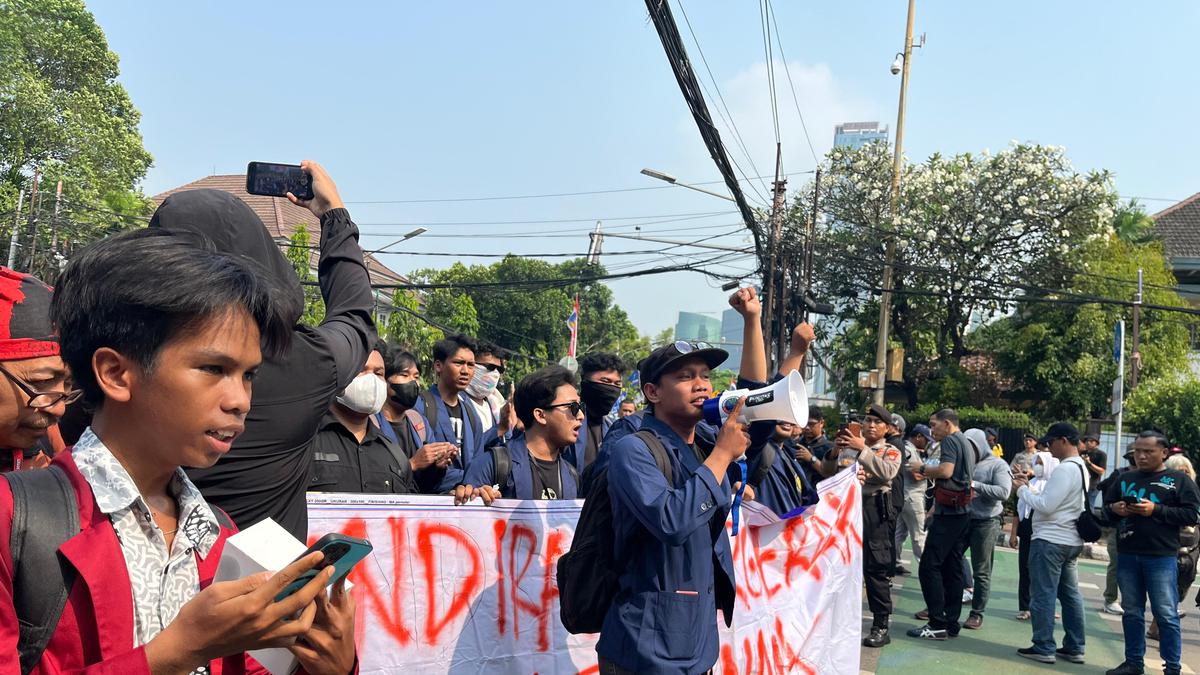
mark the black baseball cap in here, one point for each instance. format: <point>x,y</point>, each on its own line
<point>1060,430</point>
<point>660,360</point>
<point>1092,437</point>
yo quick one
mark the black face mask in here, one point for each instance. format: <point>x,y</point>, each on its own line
<point>405,395</point>
<point>598,398</point>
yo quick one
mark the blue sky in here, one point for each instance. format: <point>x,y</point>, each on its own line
<point>408,101</point>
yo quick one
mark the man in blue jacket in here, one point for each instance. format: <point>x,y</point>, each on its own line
<point>451,417</point>
<point>678,568</point>
<point>536,467</point>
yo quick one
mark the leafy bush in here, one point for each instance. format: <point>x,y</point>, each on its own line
<point>969,417</point>
<point>1171,405</point>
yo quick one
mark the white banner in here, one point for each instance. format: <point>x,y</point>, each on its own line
<point>472,589</point>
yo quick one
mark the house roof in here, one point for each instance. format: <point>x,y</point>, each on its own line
<point>281,217</point>
<point>1179,228</point>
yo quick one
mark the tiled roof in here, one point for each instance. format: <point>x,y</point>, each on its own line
<point>1179,228</point>
<point>281,217</point>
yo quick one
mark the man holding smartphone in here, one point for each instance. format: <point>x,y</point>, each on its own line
<point>867,445</point>
<point>1150,504</point>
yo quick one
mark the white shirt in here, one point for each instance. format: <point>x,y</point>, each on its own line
<point>1058,505</point>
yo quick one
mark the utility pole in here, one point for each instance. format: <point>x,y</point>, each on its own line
<point>1135,361</point>
<point>779,187</point>
<point>37,179</point>
<point>57,207</point>
<point>885,300</point>
<point>12,241</point>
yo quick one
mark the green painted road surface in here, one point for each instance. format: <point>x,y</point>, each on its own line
<point>992,649</point>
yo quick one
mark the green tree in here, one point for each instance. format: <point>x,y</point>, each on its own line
<point>300,254</point>
<point>1059,354</point>
<point>406,329</point>
<point>63,113</point>
<point>968,228</point>
<point>1171,405</point>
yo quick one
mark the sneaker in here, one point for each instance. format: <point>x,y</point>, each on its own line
<point>968,595</point>
<point>1126,668</point>
<point>899,571</point>
<point>927,632</point>
<point>973,622</point>
<point>1034,655</point>
<point>1068,656</point>
<point>1113,608</point>
<point>878,638</point>
<point>1023,616</point>
<point>922,615</point>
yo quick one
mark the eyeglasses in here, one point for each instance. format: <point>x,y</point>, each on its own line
<point>572,407</point>
<point>40,400</point>
<point>685,347</point>
<point>492,367</point>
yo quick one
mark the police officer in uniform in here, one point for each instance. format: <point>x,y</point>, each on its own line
<point>881,463</point>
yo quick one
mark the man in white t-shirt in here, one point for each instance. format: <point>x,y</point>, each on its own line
<point>1055,547</point>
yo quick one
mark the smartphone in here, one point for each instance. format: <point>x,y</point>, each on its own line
<point>1131,500</point>
<point>276,180</point>
<point>340,551</point>
<point>854,427</point>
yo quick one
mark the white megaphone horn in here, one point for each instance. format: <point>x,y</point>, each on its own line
<point>784,401</point>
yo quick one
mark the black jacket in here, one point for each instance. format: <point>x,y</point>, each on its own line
<point>267,471</point>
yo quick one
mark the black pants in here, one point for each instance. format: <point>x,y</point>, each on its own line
<point>941,570</point>
<point>879,538</point>
<point>1024,540</point>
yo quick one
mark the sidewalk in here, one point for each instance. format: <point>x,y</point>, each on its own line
<point>992,649</point>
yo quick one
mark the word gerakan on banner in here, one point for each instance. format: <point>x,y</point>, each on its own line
<point>472,589</point>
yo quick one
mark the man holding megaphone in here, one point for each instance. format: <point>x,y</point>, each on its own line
<point>866,444</point>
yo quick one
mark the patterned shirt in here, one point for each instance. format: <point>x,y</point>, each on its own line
<point>161,581</point>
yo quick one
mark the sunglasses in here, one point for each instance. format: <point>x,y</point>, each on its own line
<point>40,400</point>
<point>572,407</point>
<point>686,347</point>
<point>492,367</point>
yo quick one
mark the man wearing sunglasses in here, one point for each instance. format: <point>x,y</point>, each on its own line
<point>532,466</point>
<point>35,388</point>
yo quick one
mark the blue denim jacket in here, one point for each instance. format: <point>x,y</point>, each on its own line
<point>678,567</point>
<point>520,477</point>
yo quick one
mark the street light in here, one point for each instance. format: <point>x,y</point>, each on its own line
<point>415,233</point>
<point>668,178</point>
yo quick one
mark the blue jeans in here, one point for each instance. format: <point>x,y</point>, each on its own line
<point>1052,574</point>
<point>1155,576</point>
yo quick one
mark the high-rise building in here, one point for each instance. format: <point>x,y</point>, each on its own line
<point>731,338</point>
<point>854,135</point>
<point>699,327</point>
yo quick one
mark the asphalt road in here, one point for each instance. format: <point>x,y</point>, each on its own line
<point>992,649</point>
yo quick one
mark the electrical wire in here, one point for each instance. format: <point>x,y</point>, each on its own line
<point>791,85</point>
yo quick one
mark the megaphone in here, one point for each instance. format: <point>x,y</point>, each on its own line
<point>784,401</point>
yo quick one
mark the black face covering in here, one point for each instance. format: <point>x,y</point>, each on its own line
<point>598,398</point>
<point>405,395</point>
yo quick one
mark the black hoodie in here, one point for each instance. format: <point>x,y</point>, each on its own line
<point>267,471</point>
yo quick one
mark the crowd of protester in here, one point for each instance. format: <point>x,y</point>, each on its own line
<point>206,407</point>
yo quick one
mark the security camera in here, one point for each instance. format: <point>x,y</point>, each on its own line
<point>897,64</point>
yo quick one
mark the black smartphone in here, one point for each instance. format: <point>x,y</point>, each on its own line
<point>1131,500</point>
<point>340,551</point>
<point>276,180</point>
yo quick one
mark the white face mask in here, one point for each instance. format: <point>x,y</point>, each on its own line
<point>483,382</point>
<point>1038,471</point>
<point>366,394</point>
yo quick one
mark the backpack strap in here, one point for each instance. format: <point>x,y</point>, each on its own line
<point>766,459</point>
<point>501,465</point>
<point>431,407</point>
<point>418,425</point>
<point>661,458</point>
<point>43,504</point>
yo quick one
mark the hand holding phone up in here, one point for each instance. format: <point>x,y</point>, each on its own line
<point>325,194</point>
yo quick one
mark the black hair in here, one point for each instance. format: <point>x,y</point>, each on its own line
<point>946,415</point>
<point>137,291</point>
<point>815,413</point>
<point>1158,436</point>
<point>396,360</point>
<point>486,347</point>
<point>445,348</point>
<point>600,361</point>
<point>383,349</point>
<point>538,389</point>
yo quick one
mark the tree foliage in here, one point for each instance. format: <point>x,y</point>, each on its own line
<point>973,233</point>
<point>1171,405</point>
<point>63,113</point>
<point>300,254</point>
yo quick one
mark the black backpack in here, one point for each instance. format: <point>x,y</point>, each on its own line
<point>589,573</point>
<point>502,466</point>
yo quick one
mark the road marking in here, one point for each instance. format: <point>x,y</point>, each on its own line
<point>1084,584</point>
<point>1109,617</point>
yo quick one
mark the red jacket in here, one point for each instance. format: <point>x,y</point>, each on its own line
<point>95,633</point>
